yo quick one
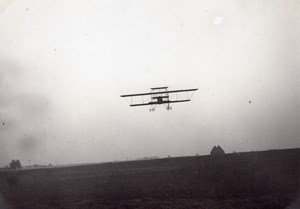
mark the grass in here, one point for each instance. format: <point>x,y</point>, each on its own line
<point>268,179</point>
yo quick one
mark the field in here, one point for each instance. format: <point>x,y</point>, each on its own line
<point>268,179</point>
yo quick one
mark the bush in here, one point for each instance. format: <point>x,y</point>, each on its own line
<point>15,164</point>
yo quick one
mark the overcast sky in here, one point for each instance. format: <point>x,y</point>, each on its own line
<point>64,65</point>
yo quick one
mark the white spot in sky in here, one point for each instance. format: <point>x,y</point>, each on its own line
<point>218,20</point>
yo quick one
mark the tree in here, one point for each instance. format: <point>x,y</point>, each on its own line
<point>15,164</point>
<point>217,150</point>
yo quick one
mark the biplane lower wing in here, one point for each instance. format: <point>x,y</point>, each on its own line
<point>158,103</point>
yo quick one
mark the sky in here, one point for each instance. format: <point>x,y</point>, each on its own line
<point>64,65</point>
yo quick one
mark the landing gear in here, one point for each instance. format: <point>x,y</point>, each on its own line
<point>152,109</point>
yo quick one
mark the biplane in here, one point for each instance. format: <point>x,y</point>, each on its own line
<point>160,96</point>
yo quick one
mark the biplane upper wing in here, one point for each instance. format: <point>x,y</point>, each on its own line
<point>163,102</point>
<point>160,92</point>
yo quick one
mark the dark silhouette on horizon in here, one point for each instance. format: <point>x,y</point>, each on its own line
<point>217,150</point>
